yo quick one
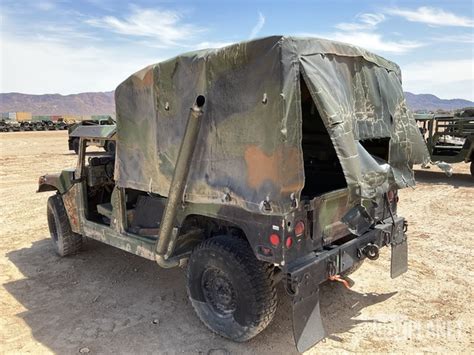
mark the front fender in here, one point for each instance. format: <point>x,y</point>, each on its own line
<point>60,182</point>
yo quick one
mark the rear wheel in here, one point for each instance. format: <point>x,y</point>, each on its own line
<point>65,241</point>
<point>231,291</point>
<point>472,168</point>
<point>110,147</point>
<point>75,145</point>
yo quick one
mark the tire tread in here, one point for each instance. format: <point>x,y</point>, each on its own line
<point>260,278</point>
<point>71,242</point>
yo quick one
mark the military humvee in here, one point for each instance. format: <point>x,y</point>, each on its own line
<point>7,125</point>
<point>76,130</point>
<point>275,160</point>
<point>449,138</point>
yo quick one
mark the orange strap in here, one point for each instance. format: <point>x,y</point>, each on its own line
<point>338,278</point>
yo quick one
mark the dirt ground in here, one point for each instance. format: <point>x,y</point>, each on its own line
<point>107,301</point>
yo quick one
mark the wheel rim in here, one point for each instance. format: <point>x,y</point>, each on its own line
<point>219,292</point>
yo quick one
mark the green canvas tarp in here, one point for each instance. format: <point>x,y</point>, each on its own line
<point>249,146</point>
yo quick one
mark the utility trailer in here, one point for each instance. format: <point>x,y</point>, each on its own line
<point>274,160</point>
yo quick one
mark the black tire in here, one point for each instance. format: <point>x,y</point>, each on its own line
<point>65,241</point>
<point>110,147</point>
<point>231,291</point>
<point>352,269</point>
<point>472,168</point>
<point>75,145</point>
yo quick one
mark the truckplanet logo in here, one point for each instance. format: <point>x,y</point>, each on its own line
<point>402,328</point>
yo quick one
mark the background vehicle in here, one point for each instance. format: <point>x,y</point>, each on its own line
<point>74,133</point>
<point>7,125</point>
<point>449,138</point>
<point>285,182</point>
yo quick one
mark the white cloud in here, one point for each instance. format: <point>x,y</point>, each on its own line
<point>366,21</point>
<point>258,26</point>
<point>467,38</point>
<point>432,16</point>
<point>40,66</point>
<point>444,78</point>
<point>371,41</point>
<point>362,33</point>
<point>163,26</point>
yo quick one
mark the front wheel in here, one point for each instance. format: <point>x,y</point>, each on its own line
<point>65,241</point>
<point>75,145</point>
<point>231,291</point>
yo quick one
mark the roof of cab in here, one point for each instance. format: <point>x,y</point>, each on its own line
<point>96,131</point>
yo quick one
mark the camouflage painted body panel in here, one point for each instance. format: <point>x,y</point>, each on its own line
<point>73,201</point>
<point>249,149</point>
<point>61,181</point>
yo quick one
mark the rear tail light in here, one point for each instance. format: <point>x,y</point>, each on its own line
<point>391,196</point>
<point>274,239</point>
<point>289,242</point>
<point>299,228</point>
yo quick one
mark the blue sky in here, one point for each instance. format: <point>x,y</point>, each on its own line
<point>71,46</point>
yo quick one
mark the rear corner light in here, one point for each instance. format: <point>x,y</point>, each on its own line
<point>289,242</point>
<point>299,228</point>
<point>390,196</point>
<point>274,239</point>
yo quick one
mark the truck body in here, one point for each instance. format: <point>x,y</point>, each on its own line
<point>274,160</point>
<point>449,137</point>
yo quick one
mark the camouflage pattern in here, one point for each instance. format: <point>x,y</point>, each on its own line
<point>249,150</point>
<point>247,171</point>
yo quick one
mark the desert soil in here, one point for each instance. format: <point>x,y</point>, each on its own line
<point>104,300</point>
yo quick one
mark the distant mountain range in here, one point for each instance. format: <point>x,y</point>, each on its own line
<point>87,103</point>
<point>432,103</point>
<point>94,103</point>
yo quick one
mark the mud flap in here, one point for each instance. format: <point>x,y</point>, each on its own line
<point>399,257</point>
<point>307,324</point>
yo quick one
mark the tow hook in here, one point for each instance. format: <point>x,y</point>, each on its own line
<point>371,251</point>
<point>338,278</point>
<point>334,277</point>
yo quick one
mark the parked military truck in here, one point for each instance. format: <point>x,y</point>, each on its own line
<point>275,160</point>
<point>7,125</point>
<point>75,132</point>
<point>449,138</point>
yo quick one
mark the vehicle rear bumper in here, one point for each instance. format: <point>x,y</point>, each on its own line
<point>305,274</point>
<point>319,266</point>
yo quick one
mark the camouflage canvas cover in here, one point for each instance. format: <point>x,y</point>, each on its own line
<point>249,146</point>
